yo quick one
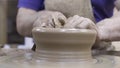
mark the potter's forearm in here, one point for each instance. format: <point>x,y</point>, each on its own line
<point>25,20</point>
<point>109,29</point>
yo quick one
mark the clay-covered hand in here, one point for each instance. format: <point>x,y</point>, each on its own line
<point>107,32</point>
<point>49,19</point>
<point>80,23</point>
<point>109,29</point>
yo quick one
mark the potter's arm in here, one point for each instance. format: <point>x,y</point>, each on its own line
<point>109,29</point>
<point>25,20</point>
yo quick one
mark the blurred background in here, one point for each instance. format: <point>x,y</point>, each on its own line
<point>8,33</point>
<point>9,38</point>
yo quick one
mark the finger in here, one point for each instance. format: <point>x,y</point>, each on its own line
<point>62,19</point>
<point>83,25</point>
<point>77,21</point>
<point>68,20</point>
<point>44,23</point>
<point>71,21</point>
<point>86,24</point>
<point>91,24</point>
<point>55,21</point>
<point>58,19</point>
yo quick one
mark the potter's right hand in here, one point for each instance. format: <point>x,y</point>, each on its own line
<point>49,19</point>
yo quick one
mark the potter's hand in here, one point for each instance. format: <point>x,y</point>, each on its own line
<point>50,19</point>
<point>80,23</point>
<point>109,29</point>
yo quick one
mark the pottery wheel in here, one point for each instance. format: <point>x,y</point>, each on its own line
<point>27,59</point>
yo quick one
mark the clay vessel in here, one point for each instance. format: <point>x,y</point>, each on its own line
<point>58,44</point>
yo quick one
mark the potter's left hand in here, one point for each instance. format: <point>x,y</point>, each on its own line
<point>80,23</point>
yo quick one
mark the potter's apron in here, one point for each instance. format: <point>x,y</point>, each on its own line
<point>71,7</point>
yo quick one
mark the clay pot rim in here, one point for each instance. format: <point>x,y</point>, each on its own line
<point>63,30</point>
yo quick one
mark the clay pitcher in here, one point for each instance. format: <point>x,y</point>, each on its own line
<point>71,7</point>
